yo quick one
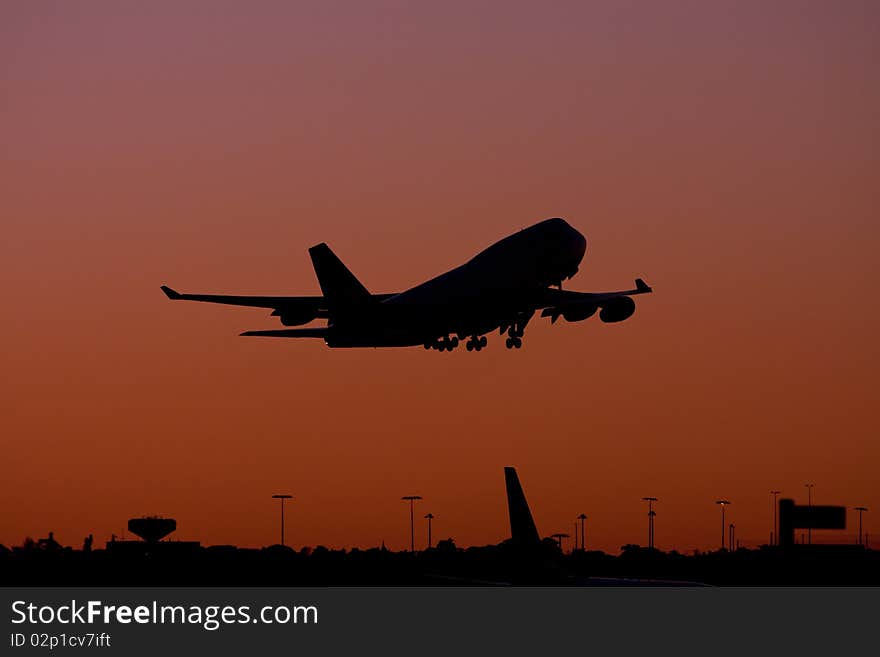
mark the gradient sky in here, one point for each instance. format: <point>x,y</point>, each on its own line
<point>727,152</point>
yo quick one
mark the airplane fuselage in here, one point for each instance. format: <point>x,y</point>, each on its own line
<point>490,290</point>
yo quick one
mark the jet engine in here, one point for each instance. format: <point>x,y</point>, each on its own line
<point>578,312</point>
<point>296,318</point>
<point>617,309</point>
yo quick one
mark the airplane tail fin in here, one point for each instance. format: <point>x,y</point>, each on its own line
<point>522,526</point>
<point>339,285</point>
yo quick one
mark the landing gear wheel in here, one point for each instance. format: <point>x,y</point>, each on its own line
<point>469,346</point>
<point>483,341</point>
<point>517,343</point>
<point>509,343</point>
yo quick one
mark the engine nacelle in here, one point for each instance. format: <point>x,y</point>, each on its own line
<point>297,319</point>
<point>617,310</point>
<point>579,312</point>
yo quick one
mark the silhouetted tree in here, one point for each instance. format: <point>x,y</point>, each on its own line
<point>446,545</point>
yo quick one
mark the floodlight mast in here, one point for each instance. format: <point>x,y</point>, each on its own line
<point>651,514</point>
<point>774,533</point>
<point>430,517</point>
<point>722,504</point>
<point>282,498</point>
<point>860,509</point>
<point>810,516</point>
<point>559,536</point>
<point>412,526</point>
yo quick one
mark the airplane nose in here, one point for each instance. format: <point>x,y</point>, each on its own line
<point>577,241</point>
<point>579,245</point>
<point>573,245</point>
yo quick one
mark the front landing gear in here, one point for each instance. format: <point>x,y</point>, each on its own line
<point>515,334</point>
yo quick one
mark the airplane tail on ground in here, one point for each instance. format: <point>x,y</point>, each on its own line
<point>340,287</point>
<point>522,526</point>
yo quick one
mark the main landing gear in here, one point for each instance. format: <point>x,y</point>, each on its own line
<point>446,343</point>
<point>443,344</point>
<point>476,343</point>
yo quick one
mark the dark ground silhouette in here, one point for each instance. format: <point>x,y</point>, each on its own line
<point>523,559</point>
<point>136,563</point>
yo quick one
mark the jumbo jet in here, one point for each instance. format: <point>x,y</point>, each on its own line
<point>500,288</point>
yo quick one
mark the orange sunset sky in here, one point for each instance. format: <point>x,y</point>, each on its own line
<point>727,152</point>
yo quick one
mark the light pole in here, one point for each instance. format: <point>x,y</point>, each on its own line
<point>582,517</point>
<point>722,504</point>
<point>860,509</point>
<point>282,498</point>
<point>809,513</point>
<point>774,533</point>
<point>430,517</point>
<point>559,538</point>
<point>730,540</point>
<point>412,526</point>
<point>651,514</point>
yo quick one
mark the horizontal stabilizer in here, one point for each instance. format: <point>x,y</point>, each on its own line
<point>289,333</point>
<point>171,294</point>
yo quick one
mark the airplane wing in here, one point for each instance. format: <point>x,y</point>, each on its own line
<point>292,310</point>
<point>254,302</point>
<point>554,297</point>
<point>575,306</point>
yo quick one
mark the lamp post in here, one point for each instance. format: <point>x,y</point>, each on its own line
<point>860,509</point>
<point>730,540</point>
<point>809,513</point>
<point>722,504</point>
<point>651,514</point>
<point>774,533</point>
<point>430,517</point>
<point>412,526</point>
<point>559,538</point>
<point>282,498</point>
<point>582,517</point>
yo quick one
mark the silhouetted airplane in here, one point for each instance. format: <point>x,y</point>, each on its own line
<point>499,288</point>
